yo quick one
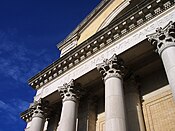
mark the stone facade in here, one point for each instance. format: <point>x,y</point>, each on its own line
<point>159,111</point>
<point>119,73</point>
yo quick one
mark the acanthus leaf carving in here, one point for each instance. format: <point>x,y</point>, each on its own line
<point>112,67</point>
<point>163,37</point>
<point>70,91</point>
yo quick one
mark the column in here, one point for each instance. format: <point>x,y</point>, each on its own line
<point>46,125</point>
<point>53,122</point>
<point>92,114</point>
<point>164,41</point>
<point>135,120</point>
<point>87,115</point>
<point>112,71</point>
<point>70,93</point>
<point>38,117</point>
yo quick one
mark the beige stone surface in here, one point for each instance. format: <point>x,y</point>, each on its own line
<point>100,125</point>
<point>159,111</point>
<point>95,24</point>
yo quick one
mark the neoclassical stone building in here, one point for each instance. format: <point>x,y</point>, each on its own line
<point>116,72</point>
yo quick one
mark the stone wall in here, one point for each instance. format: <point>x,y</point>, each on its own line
<point>158,104</point>
<point>159,110</point>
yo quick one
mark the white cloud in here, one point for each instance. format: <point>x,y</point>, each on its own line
<point>20,104</point>
<point>12,109</point>
<point>17,61</point>
<point>6,107</point>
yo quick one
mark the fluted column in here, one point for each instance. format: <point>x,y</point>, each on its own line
<point>112,71</point>
<point>38,117</point>
<point>70,93</point>
<point>164,41</point>
<point>133,106</point>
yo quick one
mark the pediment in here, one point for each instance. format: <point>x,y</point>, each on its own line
<point>99,18</point>
<point>106,12</point>
<point>102,19</point>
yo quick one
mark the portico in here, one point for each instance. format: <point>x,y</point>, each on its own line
<point>111,81</point>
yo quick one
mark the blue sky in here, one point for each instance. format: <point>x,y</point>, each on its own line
<point>29,32</point>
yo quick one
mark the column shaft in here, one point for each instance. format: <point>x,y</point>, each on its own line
<point>114,105</point>
<point>68,116</point>
<point>37,124</point>
<point>168,58</point>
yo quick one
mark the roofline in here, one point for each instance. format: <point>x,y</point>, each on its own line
<point>86,20</point>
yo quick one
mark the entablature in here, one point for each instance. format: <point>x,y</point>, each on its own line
<point>115,31</point>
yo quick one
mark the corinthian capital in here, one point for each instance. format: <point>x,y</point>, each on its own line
<point>39,108</point>
<point>111,67</point>
<point>163,37</point>
<point>70,91</point>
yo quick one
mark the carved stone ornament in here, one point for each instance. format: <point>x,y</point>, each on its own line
<point>163,38</point>
<point>113,67</point>
<point>39,108</point>
<point>70,91</point>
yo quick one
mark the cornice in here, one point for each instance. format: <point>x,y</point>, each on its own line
<point>27,115</point>
<point>114,31</point>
